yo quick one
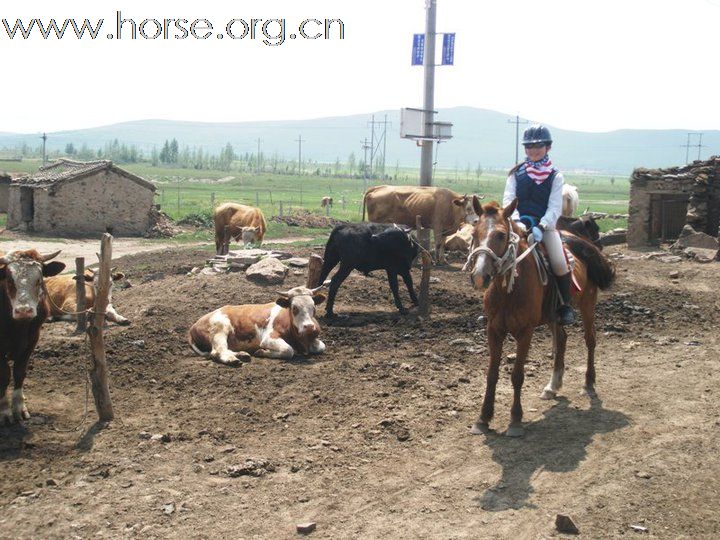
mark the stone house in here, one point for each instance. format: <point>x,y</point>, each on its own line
<point>663,202</point>
<point>4,188</point>
<point>72,198</point>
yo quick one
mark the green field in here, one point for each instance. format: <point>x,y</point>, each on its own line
<point>181,192</point>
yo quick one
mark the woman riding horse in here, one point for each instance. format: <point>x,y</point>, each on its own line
<point>517,301</point>
<point>538,185</point>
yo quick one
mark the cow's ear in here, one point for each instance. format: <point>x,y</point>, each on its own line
<point>460,201</point>
<point>53,268</point>
<point>117,276</point>
<point>510,208</point>
<point>283,302</point>
<point>318,298</point>
<point>477,206</point>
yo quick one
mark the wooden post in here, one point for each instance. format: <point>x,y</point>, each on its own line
<point>99,369</point>
<point>80,295</point>
<point>343,202</point>
<point>314,269</point>
<point>424,297</point>
<point>327,209</point>
<point>281,209</point>
<point>422,233</point>
<point>212,200</point>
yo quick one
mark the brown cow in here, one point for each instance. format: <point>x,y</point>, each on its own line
<point>326,201</point>
<point>460,240</point>
<point>231,334</point>
<point>440,209</point>
<point>245,223</point>
<point>23,309</point>
<point>63,296</point>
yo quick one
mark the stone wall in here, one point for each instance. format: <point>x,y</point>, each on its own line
<point>699,181</point>
<point>88,206</point>
<point>4,185</point>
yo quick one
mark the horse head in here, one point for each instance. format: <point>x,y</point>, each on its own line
<point>491,241</point>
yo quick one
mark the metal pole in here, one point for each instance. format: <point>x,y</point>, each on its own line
<point>385,122</point>
<point>426,156</point>
<point>687,150</point>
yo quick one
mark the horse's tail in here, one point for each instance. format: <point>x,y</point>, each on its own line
<point>599,269</point>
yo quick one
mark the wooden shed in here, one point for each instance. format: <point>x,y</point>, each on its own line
<point>72,198</point>
<point>664,201</point>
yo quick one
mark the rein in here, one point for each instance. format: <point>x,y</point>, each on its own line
<point>505,265</point>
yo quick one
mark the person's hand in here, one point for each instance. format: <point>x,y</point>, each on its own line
<point>537,234</point>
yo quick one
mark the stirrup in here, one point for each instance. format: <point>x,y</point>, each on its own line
<point>566,315</point>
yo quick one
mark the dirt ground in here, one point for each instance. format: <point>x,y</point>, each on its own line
<point>371,439</point>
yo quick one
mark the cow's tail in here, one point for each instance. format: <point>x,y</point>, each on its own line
<point>331,257</point>
<point>599,269</point>
<point>196,341</point>
<point>364,202</point>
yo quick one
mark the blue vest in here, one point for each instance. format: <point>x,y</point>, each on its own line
<point>532,197</point>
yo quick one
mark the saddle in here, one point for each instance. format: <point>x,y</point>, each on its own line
<point>552,301</point>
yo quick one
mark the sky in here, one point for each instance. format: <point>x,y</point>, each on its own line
<point>579,65</point>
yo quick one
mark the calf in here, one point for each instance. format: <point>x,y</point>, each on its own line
<point>367,247</point>
<point>62,293</point>
<point>279,329</point>
<point>23,309</point>
<point>585,227</point>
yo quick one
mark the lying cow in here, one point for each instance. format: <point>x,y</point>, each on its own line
<point>23,309</point>
<point>367,247</point>
<point>461,240</point>
<point>585,227</point>
<point>326,201</point>
<point>63,296</point>
<point>440,209</point>
<point>279,329</point>
<point>238,221</point>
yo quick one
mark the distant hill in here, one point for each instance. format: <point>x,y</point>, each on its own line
<point>480,136</point>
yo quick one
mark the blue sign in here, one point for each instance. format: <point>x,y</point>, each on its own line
<point>448,50</point>
<point>418,50</point>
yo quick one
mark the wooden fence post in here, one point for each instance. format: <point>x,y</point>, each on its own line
<point>212,200</point>
<point>281,209</point>
<point>422,233</point>
<point>80,295</point>
<point>314,269</point>
<point>99,369</point>
<point>424,297</point>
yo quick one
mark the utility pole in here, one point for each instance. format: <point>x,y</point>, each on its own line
<point>258,157</point>
<point>517,123</point>
<point>372,143</point>
<point>426,156</point>
<point>385,124</point>
<point>299,140</point>
<point>365,148</point>
<point>44,138</point>
<point>699,145</point>
<point>687,146</point>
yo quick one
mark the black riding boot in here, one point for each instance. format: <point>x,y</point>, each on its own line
<point>566,314</point>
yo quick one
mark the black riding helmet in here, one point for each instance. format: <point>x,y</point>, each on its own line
<point>537,134</point>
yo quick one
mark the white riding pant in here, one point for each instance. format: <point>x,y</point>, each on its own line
<point>556,252</point>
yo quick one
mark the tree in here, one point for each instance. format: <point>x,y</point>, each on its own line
<point>478,171</point>
<point>351,162</point>
<point>174,151</point>
<point>69,149</point>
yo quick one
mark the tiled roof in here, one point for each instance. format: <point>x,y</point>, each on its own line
<point>65,170</point>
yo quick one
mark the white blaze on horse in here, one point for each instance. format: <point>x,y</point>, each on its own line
<point>516,302</point>
<point>278,329</point>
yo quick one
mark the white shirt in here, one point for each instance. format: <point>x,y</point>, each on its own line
<point>554,209</point>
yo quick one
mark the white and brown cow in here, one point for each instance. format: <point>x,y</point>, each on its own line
<point>279,329</point>
<point>63,296</point>
<point>23,310</point>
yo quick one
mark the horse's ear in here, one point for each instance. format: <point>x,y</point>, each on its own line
<point>510,208</point>
<point>586,210</point>
<point>477,206</point>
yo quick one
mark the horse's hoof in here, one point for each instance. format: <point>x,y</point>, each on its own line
<point>548,394</point>
<point>515,430</point>
<point>480,428</point>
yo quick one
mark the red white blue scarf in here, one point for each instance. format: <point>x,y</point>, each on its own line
<point>539,170</point>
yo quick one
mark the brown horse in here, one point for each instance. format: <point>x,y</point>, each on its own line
<point>515,303</point>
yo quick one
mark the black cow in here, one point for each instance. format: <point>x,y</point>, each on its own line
<point>585,227</point>
<point>367,247</point>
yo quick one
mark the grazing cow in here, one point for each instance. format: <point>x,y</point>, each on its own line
<point>440,209</point>
<point>570,200</point>
<point>241,222</point>
<point>23,309</point>
<point>326,201</point>
<point>62,293</point>
<point>461,240</point>
<point>279,329</point>
<point>367,247</point>
<point>585,227</point>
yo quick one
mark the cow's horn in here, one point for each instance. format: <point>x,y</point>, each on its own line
<point>316,289</point>
<point>49,256</point>
<point>283,294</point>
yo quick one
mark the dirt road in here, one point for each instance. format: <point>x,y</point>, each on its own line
<point>371,439</point>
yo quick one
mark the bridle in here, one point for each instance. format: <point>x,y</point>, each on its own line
<point>504,265</point>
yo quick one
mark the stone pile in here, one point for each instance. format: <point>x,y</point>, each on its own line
<point>267,267</point>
